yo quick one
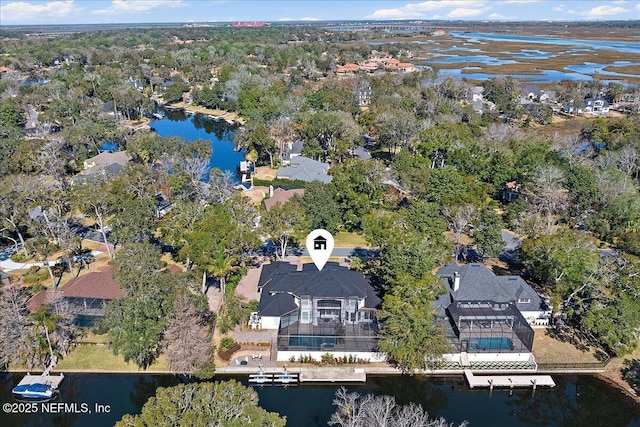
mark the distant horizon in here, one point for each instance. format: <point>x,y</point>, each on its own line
<point>116,12</point>
<point>371,21</point>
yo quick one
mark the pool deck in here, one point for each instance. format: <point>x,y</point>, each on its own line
<point>510,381</point>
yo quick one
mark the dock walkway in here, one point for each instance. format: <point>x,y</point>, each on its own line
<point>510,381</point>
<point>332,375</point>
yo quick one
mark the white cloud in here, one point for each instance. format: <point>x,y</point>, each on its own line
<point>308,18</point>
<point>119,6</point>
<point>638,6</point>
<point>426,9</point>
<point>464,13</point>
<point>284,19</point>
<point>558,8</point>
<point>18,11</point>
<point>498,17</point>
<point>605,10</point>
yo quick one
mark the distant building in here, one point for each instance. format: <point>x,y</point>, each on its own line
<point>105,159</point>
<point>305,169</point>
<point>596,106</point>
<point>292,150</point>
<point>281,196</point>
<point>364,96</point>
<point>135,83</point>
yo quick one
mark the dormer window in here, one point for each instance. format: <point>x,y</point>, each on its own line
<point>524,300</point>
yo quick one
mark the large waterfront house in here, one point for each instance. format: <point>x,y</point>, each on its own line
<point>488,318</point>
<point>316,312</point>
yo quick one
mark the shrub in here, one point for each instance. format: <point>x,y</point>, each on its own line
<point>19,257</point>
<point>327,359</point>
<point>227,342</point>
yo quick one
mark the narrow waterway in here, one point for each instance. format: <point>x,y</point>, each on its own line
<point>575,401</point>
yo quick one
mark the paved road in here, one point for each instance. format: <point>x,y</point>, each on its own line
<point>268,249</point>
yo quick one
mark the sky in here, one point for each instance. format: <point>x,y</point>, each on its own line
<point>24,12</point>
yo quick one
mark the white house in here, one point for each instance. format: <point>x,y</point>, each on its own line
<point>596,106</point>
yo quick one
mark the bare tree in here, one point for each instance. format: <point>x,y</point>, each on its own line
<point>356,410</point>
<point>460,219</point>
<point>613,184</point>
<point>220,185</point>
<point>14,326</point>
<point>195,168</point>
<point>52,161</point>
<point>187,338</point>
<point>547,195</point>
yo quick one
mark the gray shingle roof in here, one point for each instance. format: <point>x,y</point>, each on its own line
<point>305,169</point>
<point>278,279</point>
<point>478,283</point>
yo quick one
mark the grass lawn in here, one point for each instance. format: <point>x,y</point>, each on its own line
<point>344,239</point>
<point>100,358</point>
<point>548,349</point>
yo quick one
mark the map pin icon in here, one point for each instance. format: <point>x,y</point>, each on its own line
<point>320,246</point>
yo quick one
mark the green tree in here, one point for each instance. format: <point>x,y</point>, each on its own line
<point>321,207</point>
<point>285,222</point>
<point>565,263</point>
<point>410,335</point>
<point>487,233</point>
<point>10,114</point>
<point>44,323</point>
<point>223,403</point>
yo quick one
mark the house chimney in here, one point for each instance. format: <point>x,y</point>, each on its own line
<point>456,281</point>
<point>270,191</point>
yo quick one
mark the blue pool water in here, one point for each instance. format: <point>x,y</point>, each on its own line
<point>312,343</point>
<point>501,343</point>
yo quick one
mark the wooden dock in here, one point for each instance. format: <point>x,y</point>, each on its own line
<point>510,381</point>
<point>52,380</point>
<point>328,375</point>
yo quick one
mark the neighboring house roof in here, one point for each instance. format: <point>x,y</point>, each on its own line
<point>111,170</point>
<point>531,90</point>
<point>92,286</point>
<point>478,283</point>
<point>280,281</point>
<point>362,153</point>
<point>305,169</point>
<point>105,159</point>
<point>282,196</point>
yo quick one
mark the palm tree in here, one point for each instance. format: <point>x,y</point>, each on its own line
<point>45,321</point>
<point>221,266</point>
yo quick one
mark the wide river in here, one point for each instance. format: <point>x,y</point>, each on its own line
<point>575,401</point>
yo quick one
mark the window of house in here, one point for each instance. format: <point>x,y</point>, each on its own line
<point>524,300</point>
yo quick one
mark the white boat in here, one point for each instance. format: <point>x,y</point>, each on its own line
<point>35,391</point>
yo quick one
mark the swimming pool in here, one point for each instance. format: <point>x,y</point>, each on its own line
<point>312,342</point>
<point>500,343</point>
